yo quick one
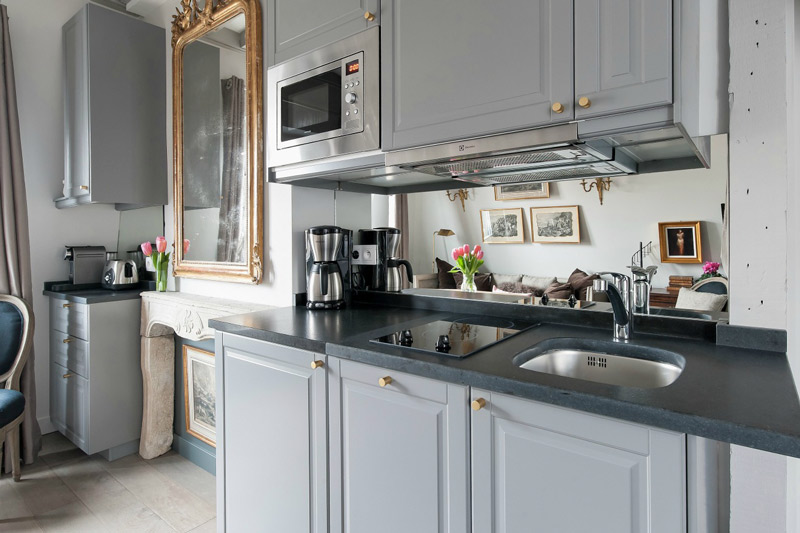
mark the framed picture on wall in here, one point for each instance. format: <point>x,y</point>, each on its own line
<point>555,224</point>
<point>680,242</point>
<point>522,191</point>
<point>200,394</point>
<point>502,226</point>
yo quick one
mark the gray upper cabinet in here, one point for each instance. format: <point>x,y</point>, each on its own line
<point>536,467</point>
<point>115,141</point>
<point>299,26</point>
<point>452,69</point>
<point>398,452</point>
<point>271,438</point>
<point>623,56</point>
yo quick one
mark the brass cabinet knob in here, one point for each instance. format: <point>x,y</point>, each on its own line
<point>317,364</point>
<point>385,381</point>
<point>65,376</point>
<point>558,107</point>
<point>67,340</point>
<point>66,305</point>
<point>478,404</point>
<point>369,16</point>
<point>585,102</point>
<point>84,187</point>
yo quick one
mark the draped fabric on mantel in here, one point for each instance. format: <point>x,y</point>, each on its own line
<point>234,204</point>
<point>15,256</point>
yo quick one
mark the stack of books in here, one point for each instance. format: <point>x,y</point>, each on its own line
<point>676,282</point>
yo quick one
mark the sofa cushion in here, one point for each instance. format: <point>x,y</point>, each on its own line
<point>497,290</point>
<point>561,291</point>
<point>483,282</point>
<point>520,288</point>
<point>700,301</point>
<point>580,282</point>
<point>538,282</point>
<point>446,279</point>
<point>507,278</point>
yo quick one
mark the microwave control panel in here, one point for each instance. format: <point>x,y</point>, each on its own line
<point>353,91</point>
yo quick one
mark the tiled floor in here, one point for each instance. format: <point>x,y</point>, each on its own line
<point>67,490</point>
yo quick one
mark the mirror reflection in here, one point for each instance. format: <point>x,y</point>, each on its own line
<point>215,163</point>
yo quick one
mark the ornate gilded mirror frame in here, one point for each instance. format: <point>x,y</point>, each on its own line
<point>192,23</point>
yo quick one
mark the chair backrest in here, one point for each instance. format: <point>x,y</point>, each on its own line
<point>16,337</point>
<point>715,285</point>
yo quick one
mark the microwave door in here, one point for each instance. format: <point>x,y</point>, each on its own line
<point>311,107</point>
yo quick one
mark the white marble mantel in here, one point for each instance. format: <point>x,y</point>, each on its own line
<point>165,314</point>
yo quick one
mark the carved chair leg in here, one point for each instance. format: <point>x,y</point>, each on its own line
<point>12,449</point>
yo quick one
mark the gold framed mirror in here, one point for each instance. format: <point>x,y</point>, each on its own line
<point>218,140</point>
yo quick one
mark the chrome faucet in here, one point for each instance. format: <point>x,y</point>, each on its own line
<point>619,294</point>
<point>642,278</point>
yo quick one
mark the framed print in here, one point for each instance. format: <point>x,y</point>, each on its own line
<point>680,242</point>
<point>522,191</point>
<point>555,224</point>
<point>502,226</point>
<point>200,394</point>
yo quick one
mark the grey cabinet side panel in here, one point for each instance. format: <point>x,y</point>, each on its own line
<point>219,371</point>
<point>76,106</point>
<point>127,77</point>
<point>491,67</point>
<point>299,26</point>
<point>623,55</point>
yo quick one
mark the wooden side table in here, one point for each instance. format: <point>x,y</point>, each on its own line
<point>663,298</point>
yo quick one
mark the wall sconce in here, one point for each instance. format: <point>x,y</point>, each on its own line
<point>461,194</point>
<point>601,184</point>
<point>440,233</point>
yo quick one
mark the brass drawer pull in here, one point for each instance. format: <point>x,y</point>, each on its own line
<point>585,102</point>
<point>558,107</point>
<point>317,364</point>
<point>369,16</point>
<point>67,340</point>
<point>69,375</point>
<point>65,306</point>
<point>84,187</point>
<point>385,381</point>
<point>478,404</point>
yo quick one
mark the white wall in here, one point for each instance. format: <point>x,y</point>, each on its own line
<point>36,42</point>
<point>610,233</point>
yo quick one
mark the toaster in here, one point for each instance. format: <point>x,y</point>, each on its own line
<point>119,275</point>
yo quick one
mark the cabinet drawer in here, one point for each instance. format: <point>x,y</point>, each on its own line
<point>70,403</point>
<point>70,352</point>
<point>419,387</point>
<point>69,317</point>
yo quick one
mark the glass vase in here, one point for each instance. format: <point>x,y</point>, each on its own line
<point>161,276</point>
<point>468,283</point>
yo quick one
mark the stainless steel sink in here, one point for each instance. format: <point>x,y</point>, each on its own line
<point>626,365</point>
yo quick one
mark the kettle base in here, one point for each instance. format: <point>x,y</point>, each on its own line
<point>338,304</point>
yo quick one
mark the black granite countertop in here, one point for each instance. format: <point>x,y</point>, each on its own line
<point>92,294</point>
<point>734,394</point>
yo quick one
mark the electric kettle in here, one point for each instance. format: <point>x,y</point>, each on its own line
<point>120,275</point>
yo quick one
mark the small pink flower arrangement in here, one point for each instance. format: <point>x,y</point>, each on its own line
<point>710,270</point>
<point>161,259</point>
<point>467,263</point>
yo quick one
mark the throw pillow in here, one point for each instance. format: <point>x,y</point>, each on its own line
<point>700,301</point>
<point>560,291</point>
<point>538,282</point>
<point>519,288</point>
<point>446,279</point>
<point>483,282</point>
<point>507,278</point>
<point>580,282</point>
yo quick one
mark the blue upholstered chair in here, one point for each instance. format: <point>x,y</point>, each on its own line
<point>16,336</point>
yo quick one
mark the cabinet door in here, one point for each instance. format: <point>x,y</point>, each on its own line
<point>623,55</point>
<point>452,69</point>
<point>299,26</point>
<point>274,429</point>
<point>398,452</point>
<point>69,404</point>
<point>536,467</point>
<point>76,107</point>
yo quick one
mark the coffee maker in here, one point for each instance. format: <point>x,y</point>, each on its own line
<point>327,266</point>
<point>379,264</point>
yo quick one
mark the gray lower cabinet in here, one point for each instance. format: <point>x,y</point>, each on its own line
<point>537,467</point>
<point>271,438</point>
<point>399,452</point>
<point>453,70</point>
<point>115,149</point>
<point>95,375</point>
<point>623,55</point>
<point>298,26</point>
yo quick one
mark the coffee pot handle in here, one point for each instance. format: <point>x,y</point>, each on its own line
<point>409,272</point>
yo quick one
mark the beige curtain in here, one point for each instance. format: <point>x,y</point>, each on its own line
<point>15,259</point>
<point>398,218</point>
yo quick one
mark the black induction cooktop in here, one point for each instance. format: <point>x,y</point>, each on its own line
<point>460,337</point>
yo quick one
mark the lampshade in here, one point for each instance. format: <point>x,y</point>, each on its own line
<point>444,232</point>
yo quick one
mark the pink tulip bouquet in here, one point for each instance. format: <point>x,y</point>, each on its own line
<point>161,259</point>
<point>467,263</point>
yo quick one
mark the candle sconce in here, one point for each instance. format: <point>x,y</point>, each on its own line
<point>460,194</point>
<point>601,184</point>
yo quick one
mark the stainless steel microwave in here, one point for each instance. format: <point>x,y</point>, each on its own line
<point>325,103</point>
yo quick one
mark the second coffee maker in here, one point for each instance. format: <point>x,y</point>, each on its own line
<point>383,274</point>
